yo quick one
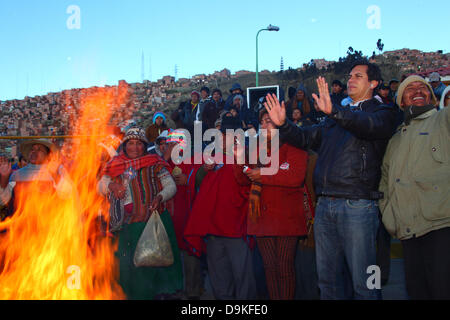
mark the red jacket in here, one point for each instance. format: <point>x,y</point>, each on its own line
<point>220,208</point>
<point>282,209</point>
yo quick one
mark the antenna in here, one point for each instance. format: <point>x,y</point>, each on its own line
<point>176,73</point>
<point>150,68</point>
<point>281,65</point>
<point>142,67</point>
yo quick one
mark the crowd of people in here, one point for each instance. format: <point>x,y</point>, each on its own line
<point>364,162</point>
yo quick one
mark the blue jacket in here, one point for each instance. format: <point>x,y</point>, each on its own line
<point>439,90</point>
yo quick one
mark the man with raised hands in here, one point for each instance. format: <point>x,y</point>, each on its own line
<point>350,144</point>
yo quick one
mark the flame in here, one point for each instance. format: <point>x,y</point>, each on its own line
<point>52,247</point>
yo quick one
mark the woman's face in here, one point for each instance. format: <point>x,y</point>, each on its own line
<point>159,121</point>
<point>296,114</point>
<point>134,148</point>
<point>266,123</point>
<point>300,95</point>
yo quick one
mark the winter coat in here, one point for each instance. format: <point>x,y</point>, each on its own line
<point>211,113</point>
<point>220,208</point>
<point>416,176</point>
<point>281,201</point>
<point>350,146</point>
<point>153,131</point>
<point>439,90</point>
<point>189,116</point>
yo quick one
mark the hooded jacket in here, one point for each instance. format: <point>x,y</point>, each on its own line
<point>153,131</point>
<point>229,101</point>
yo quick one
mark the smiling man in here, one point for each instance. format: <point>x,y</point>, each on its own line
<point>350,144</point>
<point>416,186</point>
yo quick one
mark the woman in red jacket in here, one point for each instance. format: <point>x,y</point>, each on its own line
<point>276,213</point>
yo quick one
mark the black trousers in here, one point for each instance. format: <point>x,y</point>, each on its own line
<point>427,265</point>
<point>384,252</point>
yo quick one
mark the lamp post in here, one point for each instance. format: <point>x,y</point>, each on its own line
<point>269,28</point>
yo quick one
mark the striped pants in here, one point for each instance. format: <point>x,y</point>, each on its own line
<point>278,254</point>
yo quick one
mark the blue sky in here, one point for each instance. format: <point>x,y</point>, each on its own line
<point>40,54</point>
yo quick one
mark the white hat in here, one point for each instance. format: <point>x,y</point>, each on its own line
<point>434,77</point>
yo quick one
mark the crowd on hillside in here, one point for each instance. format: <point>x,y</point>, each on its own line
<point>359,164</point>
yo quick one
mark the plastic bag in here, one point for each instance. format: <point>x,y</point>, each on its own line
<point>153,248</point>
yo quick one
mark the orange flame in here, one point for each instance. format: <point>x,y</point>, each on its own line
<point>52,247</point>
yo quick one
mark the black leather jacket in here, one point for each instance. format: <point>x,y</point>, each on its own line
<point>350,145</point>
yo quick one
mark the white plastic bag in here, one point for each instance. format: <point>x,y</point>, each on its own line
<point>153,248</point>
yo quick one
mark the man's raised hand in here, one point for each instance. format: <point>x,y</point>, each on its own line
<point>277,112</point>
<point>324,101</point>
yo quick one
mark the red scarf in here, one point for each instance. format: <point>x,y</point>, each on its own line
<point>120,163</point>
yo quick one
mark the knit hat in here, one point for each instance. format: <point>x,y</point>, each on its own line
<point>25,147</point>
<point>178,136</point>
<point>235,86</point>
<point>301,87</point>
<point>135,133</point>
<point>435,77</point>
<point>384,86</point>
<point>196,92</point>
<point>407,82</point>
<point>159,115</point>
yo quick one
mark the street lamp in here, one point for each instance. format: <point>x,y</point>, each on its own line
<point>269,28</point>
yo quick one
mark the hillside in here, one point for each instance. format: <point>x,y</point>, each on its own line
<point>52,113</point>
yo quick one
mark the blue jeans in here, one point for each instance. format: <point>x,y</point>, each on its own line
<point>345,235</point>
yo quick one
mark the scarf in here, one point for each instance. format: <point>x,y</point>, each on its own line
<point>120,163</point>
<point>144,187</point>
<point>412,112</point>
<point>254,199</point>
